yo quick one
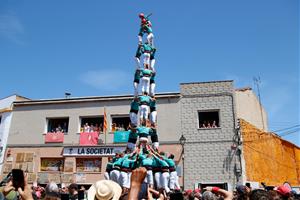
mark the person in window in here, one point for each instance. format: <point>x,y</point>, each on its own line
<point>208,125</point>
<point>58,129</point>
<point>92,128</point>
<point>101,128</point>
<point>113,127</point>
<point>64,128</point>
<point>97,128</point>
<point>203,124</point>
<point>86,127</point>
<point>214,124</point>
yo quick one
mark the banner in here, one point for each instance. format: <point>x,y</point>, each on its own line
<point>90,138</point>
<point>92,150</point>
<point>121,136</point>
<point>54,137</point>
<point>105,122</point>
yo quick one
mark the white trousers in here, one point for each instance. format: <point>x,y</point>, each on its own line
<point>133,118</point>
<point>115,175</point>
<point>153,115</point>
<point>125,179</point>
<point>137,62</point>
<point>152,63</point>
<point>147,58</point>
<point>144,112</point>
<point>145,83</point>
<point>174,181</point>
<point>106,176</point>
<point>152,89</point>
<point>165,181</point>
<point>150,39</point>
<point>136,89</point>
<point>149,177</point>
<point>158,182</point>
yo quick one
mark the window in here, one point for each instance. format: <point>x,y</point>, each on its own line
<point>209,119</point>
<point>120,123</point>
<point>91,124</point>
<point>57,125</point>
<point>52,164</point>
<point>88,164</point>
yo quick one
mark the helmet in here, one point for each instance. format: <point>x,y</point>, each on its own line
<point>141,15</point>
<point>144,21</point>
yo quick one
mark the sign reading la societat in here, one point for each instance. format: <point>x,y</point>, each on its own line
<point>91,151</point>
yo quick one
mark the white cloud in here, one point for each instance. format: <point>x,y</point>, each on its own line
<point>108,80</point>
<point>11,27</point>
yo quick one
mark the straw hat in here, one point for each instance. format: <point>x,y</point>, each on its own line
<point>105,190</point>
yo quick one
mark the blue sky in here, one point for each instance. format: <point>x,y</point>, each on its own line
<point>87,48</point>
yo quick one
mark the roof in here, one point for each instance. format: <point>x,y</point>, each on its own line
<point>17,97</point>
<point>206,82</point>
<point>90,99</point>
<point>243,89</point>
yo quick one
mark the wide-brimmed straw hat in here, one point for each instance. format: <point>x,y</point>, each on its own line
<point>105,190</point>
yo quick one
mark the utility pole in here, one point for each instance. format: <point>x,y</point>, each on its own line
<point>257,82</point>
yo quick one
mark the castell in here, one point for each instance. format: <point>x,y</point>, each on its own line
<point>143,144</point>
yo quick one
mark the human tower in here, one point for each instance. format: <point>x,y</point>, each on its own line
<point>140,152</point>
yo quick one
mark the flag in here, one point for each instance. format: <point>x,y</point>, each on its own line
<point>88,138</point>
<point>121,136</point>
<point>105,122</point>
<point>54,137</point>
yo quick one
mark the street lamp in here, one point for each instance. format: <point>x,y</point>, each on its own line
<point>182,141</point>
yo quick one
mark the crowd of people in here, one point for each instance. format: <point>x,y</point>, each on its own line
<point>209,124</point>
<point>91,128</point>
<point>60,129</point>
<point>119,127</point>
<point>138,190</point>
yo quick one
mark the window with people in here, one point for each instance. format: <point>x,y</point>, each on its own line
<point>52,164</point>
<point>91,124</point>
<point>209,119</point>
<point>120,123</point>
<point>88,164</point>
<point>57,125</point>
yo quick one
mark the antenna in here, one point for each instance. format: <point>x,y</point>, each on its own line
<point>257,82</point>
<point>67,95</point>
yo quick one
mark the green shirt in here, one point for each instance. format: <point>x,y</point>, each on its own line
<point>144,99</point>
<point>128,163</point>
<point>146,47</point>
<point>109,166</point>
<point>161,163</point>
<point>152,104</point>
<point>133,135</point>
<point>170,162</point>
<point>137,75</point>
<point>118,162</point>
<point>147,162</point>
<point>134,105</point>
<point>145,72</point>
<point>153,77</point>
<point>143,131</point>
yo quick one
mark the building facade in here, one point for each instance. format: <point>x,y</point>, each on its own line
<point>204,113</point>
<point>5,121</point>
